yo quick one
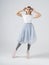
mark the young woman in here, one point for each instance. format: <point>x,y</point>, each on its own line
<point>28,32</point>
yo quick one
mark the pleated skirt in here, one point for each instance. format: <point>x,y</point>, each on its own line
<point>28,34</point>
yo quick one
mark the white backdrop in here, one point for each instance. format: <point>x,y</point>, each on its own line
<point>10,26</point>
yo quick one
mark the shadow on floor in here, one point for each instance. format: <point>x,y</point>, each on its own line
<point>44,55</point>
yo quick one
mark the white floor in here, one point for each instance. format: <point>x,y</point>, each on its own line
<point>6,59</point>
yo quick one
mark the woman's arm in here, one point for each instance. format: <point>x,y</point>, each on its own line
<point>19,13</point>
<point>37,14</point>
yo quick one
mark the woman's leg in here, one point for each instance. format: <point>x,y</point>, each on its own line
<point>28,48</point>
<point>19,44</point>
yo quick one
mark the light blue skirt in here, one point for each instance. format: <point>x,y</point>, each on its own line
<point>28,34</point>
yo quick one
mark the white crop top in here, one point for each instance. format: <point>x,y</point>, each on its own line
<point>27,18</point>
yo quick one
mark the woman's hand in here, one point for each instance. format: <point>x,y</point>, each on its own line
<point>19,13</point>
<point>37,15</point>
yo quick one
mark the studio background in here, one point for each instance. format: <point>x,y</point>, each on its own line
<point>11,24</point>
